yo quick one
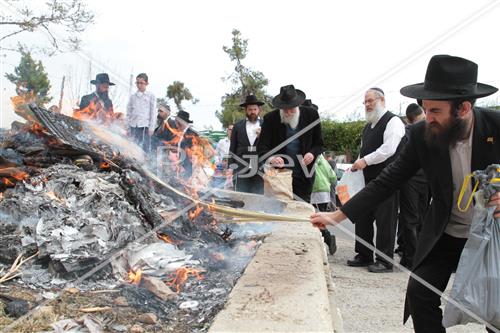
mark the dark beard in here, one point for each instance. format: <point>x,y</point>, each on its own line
<point>446,136</point>
<point>252,118</point>
<point>103,95</point>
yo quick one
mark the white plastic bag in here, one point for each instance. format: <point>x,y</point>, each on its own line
<point>351,183</point>
<point>476,287</point>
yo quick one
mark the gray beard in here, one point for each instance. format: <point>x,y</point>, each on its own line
<point>292,121</point>
<point>374,115</point>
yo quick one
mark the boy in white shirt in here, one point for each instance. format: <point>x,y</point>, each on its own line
<point>141,113</point>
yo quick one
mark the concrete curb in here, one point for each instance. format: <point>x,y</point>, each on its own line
<point>286,287</point>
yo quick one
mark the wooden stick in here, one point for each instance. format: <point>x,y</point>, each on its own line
<point>96,309</point>
<point>13,271</point>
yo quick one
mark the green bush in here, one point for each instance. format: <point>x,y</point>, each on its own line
<point>343,138</point>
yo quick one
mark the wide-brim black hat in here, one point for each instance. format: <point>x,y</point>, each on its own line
<point>308,103</point>
<point>251,100</point>
<point>184,116</point>
<point>449,78</point>
<point>102,78</point>
<point>289,97</point>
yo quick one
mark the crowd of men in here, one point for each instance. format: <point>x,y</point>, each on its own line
<point>413,172</point>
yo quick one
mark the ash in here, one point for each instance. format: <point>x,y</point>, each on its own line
<point>77,215</point>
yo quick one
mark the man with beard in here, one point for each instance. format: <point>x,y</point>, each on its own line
<point>413,199</point>
<point>379,146</point>
<point>98,103</point>
<point>243,148</point>
<point>292,132</point>
<point>455,139</point>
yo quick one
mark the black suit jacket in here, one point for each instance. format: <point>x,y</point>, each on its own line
<point>240,145</point>
<point>436,165</point>
<point>274,133</point>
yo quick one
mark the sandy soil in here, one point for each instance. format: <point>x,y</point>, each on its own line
<point>371,302</point>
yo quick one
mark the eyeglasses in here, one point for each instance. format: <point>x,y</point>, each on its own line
<point>140,82</point>
<point>370,101</point>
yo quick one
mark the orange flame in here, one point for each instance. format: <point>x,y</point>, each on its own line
<point>96,111</point>
<point>7,182</point>
<point>134,277</point>
<point>166,238</point>
<point>181,276</point>
<point>104,166</point>
<point>192,214</point>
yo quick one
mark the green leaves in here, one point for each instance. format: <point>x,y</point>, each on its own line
<point>31,79</point>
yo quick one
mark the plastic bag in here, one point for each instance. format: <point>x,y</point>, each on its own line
<point>476,287</point>
<point>278,183</point>
<point>351,183</point>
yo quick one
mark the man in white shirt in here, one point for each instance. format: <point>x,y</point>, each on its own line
<point>222,148</point>
<point>244,139</point>
<point>379,146</point>
<point>141,113</point>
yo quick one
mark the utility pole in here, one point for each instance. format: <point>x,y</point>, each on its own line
<point>62,94</point>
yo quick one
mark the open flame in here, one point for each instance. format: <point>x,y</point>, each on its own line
<point>193,214</point>
<point>104,166</point>
<point>7,182</point>
<point>181,276</point>
<point>134,277</point>
<point>166,238</point>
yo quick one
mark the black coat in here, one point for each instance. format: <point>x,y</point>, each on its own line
<point>93,97</point>
<point>436,165</point>
<point>240,145</point>
<point>273,133</point>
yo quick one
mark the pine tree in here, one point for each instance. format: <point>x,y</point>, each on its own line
<point>245,82</point>
<point>31,79</point>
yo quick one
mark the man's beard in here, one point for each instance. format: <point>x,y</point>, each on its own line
<point>292,121</point>
<point>374,115</point>
<point>252,118</point>
<point>440,136</point>
<point>103,95</point>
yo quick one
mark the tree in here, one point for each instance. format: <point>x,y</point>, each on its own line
<point>343,137</point>
<point>31,79</point>
<point>178,92</point>
<point>245,82</point>
<point>62,22</point>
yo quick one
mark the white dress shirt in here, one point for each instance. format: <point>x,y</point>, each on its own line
<point>222,149</point>
<point>252,130</point>
<point>394,131</point>
<point>141,110</point>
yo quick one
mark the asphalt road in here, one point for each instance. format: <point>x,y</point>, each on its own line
<point>371,302</point>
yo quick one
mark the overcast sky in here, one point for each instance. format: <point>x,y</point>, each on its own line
<point>332,50</point>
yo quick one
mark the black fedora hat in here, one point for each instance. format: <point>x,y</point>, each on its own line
<point>308,103</point>
<point>102,78</point>
<point>449,78</point>
<point>184,116</point>
<point>289,97</point>
<point>251,100</point>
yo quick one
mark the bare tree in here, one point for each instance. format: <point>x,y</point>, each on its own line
<point>61,21</point>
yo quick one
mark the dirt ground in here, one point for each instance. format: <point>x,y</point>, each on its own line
<point>371,302</point>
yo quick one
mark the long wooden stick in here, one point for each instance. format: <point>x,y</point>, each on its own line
<point>237,212</point>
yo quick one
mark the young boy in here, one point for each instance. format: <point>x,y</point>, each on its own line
<point>141,113</point>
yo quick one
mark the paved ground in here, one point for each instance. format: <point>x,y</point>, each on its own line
<point>371,302</point>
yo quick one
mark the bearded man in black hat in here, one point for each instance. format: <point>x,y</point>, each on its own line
<point>186,141</point>
<point>98,103</point>
<point>291,137</point>
<point>243,148</point>
<point>455,139</point>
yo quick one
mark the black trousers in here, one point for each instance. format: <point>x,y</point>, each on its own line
<point>253,184</point>
<point>302,187</point>
<point>423,304</point>
<point>327,236</point>
<point>385,216</point>
<point>141,137</point>
<point>413,205</point>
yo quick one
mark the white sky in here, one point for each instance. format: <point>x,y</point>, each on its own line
<point>332,50</point>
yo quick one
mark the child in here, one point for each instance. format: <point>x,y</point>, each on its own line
<point>141,113</point>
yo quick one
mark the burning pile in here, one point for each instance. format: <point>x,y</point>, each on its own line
<point>78,203</point>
